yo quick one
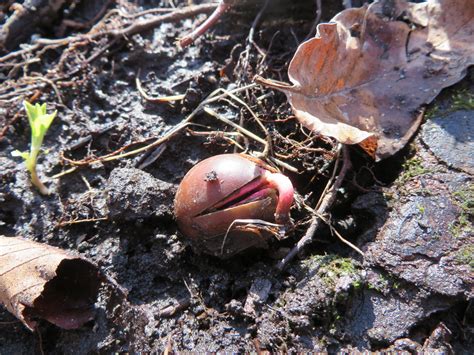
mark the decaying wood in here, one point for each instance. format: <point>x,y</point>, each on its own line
<point>38,281</point>
<point>363,77</point>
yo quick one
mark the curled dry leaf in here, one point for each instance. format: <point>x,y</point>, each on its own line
<point>40,281</point>
<point>363,77</point>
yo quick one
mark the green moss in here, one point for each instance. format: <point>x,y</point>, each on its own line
<point>383,283</point>
<point>433,111</point>
<point>465,256</point>
<point>464,199</point>
<point>336,268</point>
<point>462,99</point>
<point>411,168</point>
<point>330,268</point>
<point>380,285</point>
<point>421,209</point>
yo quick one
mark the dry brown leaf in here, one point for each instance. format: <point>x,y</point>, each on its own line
<point>366,74</point>
<point>40,281</point>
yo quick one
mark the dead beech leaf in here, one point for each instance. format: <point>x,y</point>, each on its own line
<point>367,72</point>
<point>40,281</point>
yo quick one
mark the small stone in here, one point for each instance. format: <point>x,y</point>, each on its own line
<point>258,294</point>
<point>451,139</point>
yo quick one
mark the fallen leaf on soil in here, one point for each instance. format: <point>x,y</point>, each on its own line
<point>363,77</point>
<point>40,281</point>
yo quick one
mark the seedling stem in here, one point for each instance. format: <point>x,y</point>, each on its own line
<point>39,123</point>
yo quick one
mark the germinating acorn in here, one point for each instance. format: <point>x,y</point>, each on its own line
<point>225,188</point>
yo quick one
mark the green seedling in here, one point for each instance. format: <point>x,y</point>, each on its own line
<point>39,122</point>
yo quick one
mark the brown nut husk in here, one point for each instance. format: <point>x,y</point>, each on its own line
<point>210,182</point>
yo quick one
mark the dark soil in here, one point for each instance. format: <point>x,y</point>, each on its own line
<point>410,214</point>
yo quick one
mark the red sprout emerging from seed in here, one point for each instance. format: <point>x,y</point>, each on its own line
<point>259,188</point>
<point>227,188</point>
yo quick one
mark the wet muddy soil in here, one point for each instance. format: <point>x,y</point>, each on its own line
<point>411,214</point>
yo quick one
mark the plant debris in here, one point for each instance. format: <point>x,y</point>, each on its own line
<point>40,281</point>
<point>366,73</point>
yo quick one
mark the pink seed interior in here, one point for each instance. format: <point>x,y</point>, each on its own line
<point>260,188</point>
<point>237,196</point>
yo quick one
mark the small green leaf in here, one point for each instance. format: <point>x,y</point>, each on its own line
<point>40,122</point>
<point>24,155</point>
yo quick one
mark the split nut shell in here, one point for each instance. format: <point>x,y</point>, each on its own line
<point>220,190</point>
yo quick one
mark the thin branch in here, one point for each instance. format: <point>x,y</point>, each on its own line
<point>177,15</point>
<point>221,8</point>
<point>236,126</point>
<point>249,134</point>
<point>170,311</point>
<point>341,238</point>
<point>120,153</point>
<point>324,205</point>
<point>244,55</point>
<point>319,12</point>
<point>77,221</point>
<point>161,99</point>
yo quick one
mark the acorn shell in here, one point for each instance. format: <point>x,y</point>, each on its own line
<point>206,184</point>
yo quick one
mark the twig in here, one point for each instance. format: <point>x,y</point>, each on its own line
<point>90,160</point>
<point>255,23</point>
<point>171,133</point>
<point>249,222</point>
<point>9,323</point>
<point>244,56</point>
<point>77,221</point>
<point>176,15</point>
<point>50,83</point>
<point>345,241</point>
<point>19,53</point>
<point>250,135</point>
<point>236,126</point>
<point>119,153</point>
<point>268,146</point>
<point>148,98</point>
<point>225,136</point>
<point>324,204</point>
<point>134,28</point>
<point>115,34</point>
<point>221,8</point>
<point>79,25</point>
<point>171,310</point>
<point>341,238</point>
<point>136,14</point>
<point>151,157</point>
<point>63,173</point>
<point>40,342</point>
<point>169,345</point>
<point>319,13</point>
